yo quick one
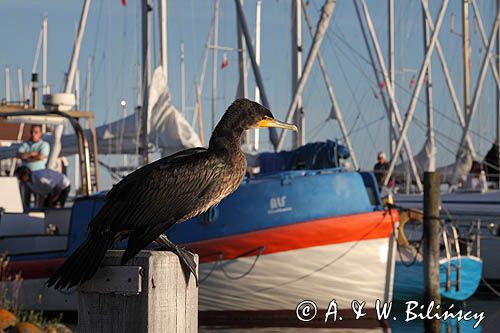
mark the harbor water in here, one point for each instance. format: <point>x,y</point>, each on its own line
<point>482,302</point>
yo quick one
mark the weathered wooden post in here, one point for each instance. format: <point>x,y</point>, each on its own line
<point>149,294</point>
<point>431,247</point>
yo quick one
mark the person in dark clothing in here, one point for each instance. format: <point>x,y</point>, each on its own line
<point>380,169</point>
<point>491,164</point>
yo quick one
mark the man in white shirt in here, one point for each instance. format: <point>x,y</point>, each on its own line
<point>51,186</point>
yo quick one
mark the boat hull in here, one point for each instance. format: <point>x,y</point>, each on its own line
<point>409,279</point>
<point>280,281</point>
<point>467,207</point>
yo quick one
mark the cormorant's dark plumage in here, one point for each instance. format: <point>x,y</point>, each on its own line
<point>173,189</point>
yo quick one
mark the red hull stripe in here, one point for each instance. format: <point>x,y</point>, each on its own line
<point>35,269</point>
<point>326,231</point>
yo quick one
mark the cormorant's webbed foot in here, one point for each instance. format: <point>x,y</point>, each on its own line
<point>186,257</point>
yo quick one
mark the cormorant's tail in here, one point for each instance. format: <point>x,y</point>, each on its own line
<point>82,264</point>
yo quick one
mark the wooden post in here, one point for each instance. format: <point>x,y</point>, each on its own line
<point>431,247</point>
<point>149,294</point>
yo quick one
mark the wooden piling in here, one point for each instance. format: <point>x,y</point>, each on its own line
<point>149,294</point>
<point>431,247</point>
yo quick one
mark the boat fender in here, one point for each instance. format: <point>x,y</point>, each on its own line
<point>405,216</point>
<point>210,216</point>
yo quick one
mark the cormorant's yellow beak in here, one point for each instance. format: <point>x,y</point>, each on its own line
<point>271,122</point>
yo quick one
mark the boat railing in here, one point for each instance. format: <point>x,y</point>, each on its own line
<point>448,258</point>
<point>299,173</point>
<point>457,249</point>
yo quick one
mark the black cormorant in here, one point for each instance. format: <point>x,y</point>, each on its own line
<point>173,189</point>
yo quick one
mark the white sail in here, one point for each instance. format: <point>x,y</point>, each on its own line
<point>446,172</point>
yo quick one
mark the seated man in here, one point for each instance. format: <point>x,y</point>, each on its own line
<point>52,187</point>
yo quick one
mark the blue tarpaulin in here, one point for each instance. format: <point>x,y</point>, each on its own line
<point>317,155</point>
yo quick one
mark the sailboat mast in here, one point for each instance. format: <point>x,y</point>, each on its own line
<point>322,26</point>
<point>257,60</point>
<point>214,63</point>
<point>392,76</point>
<point>147,17</point>
<point>466,55</point>
<point>45,88</point>
<point>242,91</point>
<point>183,83</point>
<point>87,84</point>
<point>7,84</point>
<point>296,20</point>
<point>68,87</point>
<point>20,85</point>
<point>163,38</point>
<point>428,94</point>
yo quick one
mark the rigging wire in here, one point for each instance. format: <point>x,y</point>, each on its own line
<point>399,85</point>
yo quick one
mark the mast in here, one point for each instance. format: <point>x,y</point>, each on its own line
<point>413,102</point>
<point>20,84</point>
<point>77,89</point>
<point>35,59</point>
<point>466,55</point>
<point>257,60</point>
<point>298,119</point>
<point>147,17</point>
<point>199,87</point>
<point>183,82</point>
<point>336,112</point>
<point>273,136</point>
<point>392,77</point>
<point>428,95</point>
<point>45,88</point>
<point>214,63</point>
<point>163,39</point>
<point>87,84</point>
<point>324,21</point>
<point>68,88</point>
<point>7,84</point>
<point>242,91</point>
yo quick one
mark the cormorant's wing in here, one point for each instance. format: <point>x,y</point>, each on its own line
<point>130,181</point>
<point>162,193</point>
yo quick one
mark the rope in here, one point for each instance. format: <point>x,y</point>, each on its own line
<point>261,250</point>
<point>490,287</point>
<point>220,257</point>
<point>412,262</point>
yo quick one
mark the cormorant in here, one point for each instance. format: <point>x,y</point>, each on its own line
<point>173,189</point>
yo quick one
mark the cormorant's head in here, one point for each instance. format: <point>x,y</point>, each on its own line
<point>244,114</point>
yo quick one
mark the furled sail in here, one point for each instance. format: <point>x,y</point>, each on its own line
<point>446,172</point>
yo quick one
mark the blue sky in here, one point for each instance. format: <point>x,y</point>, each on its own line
<point>112,39</point>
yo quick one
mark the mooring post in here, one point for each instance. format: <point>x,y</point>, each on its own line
<point>431,247</point>
<point>149,294</point>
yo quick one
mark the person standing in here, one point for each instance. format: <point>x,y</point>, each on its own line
<point>35,151</point>
<point>380,170</point>
<point>52,187</point>
<point>33,154</point>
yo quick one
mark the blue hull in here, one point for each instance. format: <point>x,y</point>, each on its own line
<point>409,281</point>
<point>263,202</point>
